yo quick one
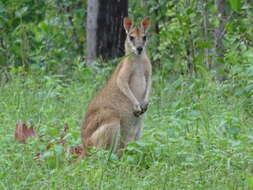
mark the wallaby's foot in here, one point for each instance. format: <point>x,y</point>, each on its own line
<point>82,154</point>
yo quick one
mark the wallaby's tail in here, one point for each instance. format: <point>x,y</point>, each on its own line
<point>88,128</point>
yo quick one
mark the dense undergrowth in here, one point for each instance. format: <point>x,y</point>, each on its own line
<point>198,134</point>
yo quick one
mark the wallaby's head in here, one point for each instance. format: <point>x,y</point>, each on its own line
<point>136,36</point>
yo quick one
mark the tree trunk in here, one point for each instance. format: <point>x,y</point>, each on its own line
<point>190,46</point>
<point>205,31</point>
<point>218,37</point>
<point>105,32</point>
<point>92,29</point>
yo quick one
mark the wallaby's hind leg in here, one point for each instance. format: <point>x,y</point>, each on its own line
<point>138,126</point>
<point>107,136</point>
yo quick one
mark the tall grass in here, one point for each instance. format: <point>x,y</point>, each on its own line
<point>198,135</point>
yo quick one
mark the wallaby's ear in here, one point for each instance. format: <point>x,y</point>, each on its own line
<point>145,24</point>
<point>127,24</point>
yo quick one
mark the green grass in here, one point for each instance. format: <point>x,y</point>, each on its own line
<point>198,135</point>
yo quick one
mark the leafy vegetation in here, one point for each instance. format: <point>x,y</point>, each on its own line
<point>198,131</point>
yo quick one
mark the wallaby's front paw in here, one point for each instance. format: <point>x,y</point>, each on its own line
<point>144,106</point>
<point>137,110</point>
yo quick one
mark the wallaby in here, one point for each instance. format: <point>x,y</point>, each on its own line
<point>115,114</point>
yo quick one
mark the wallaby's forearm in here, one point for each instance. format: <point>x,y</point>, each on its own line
<point>146,97</point>
<point>124,88</point>
<point>148,83</point>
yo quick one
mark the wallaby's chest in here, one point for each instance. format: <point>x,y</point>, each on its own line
<point>137,81</point>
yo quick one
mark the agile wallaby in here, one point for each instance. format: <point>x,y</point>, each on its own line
<point>115,114</point>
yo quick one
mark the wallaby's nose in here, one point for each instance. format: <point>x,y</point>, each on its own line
<point>139,49</point>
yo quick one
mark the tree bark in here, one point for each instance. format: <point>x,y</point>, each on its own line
<point>92,29</point>
<point>206,33</point>
<point>218,37</point>
<point>105,32</point>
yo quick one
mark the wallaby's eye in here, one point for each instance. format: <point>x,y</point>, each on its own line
<point>131,38</point>
<point>144,38</point>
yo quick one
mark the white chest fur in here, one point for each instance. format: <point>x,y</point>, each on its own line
<point>137,81</point>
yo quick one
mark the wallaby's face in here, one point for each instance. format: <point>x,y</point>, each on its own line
<point>136,36</point>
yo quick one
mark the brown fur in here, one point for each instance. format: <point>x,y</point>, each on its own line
<point>114,115</point>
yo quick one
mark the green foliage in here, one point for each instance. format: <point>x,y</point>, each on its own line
<point>235,5</point>
<point>40,34</point>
